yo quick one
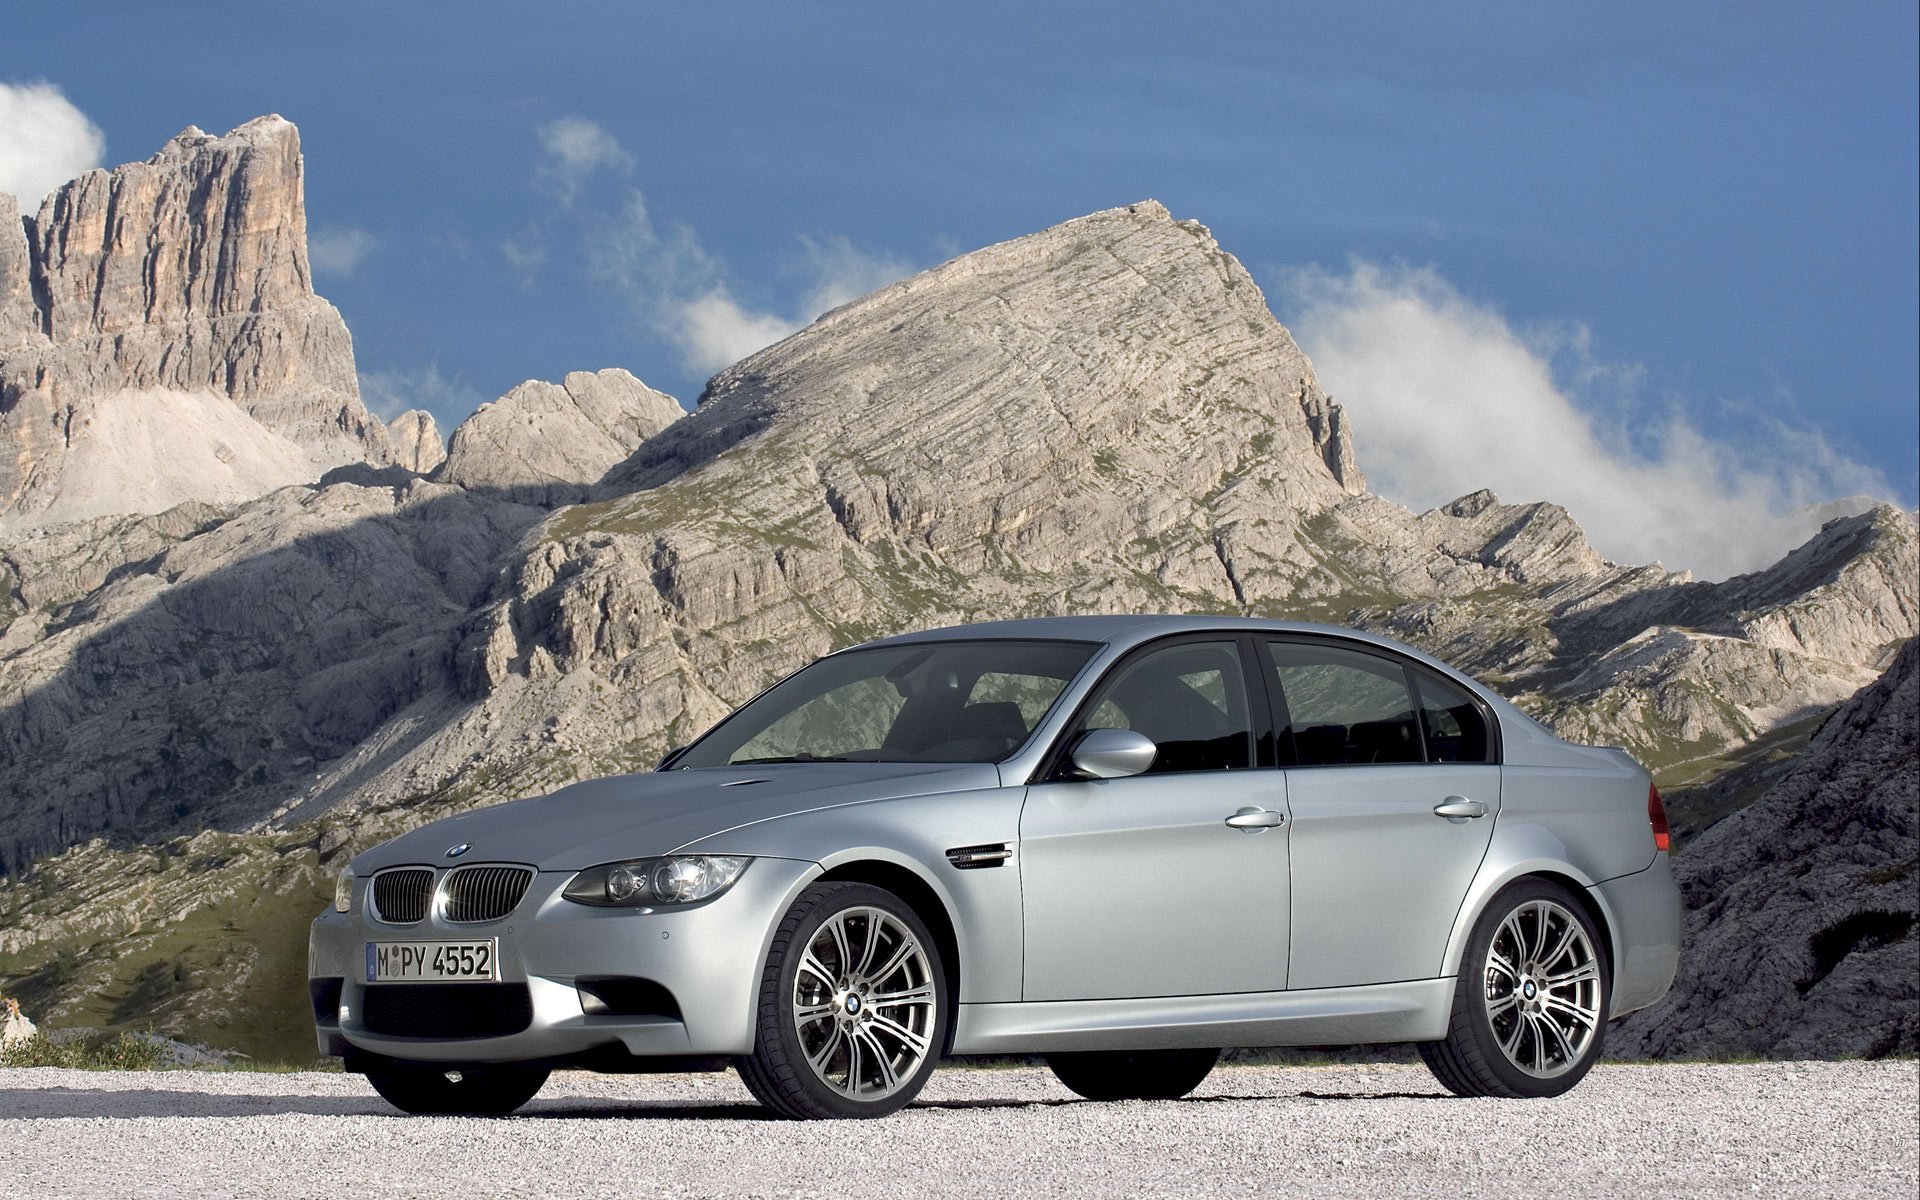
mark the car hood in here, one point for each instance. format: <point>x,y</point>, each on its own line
<point>631,816</point>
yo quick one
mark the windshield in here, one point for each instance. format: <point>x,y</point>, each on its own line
<point>958,702</point>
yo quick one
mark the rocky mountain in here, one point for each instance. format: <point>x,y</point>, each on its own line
<point>549,443</point>
<point>415,442</point>
<point>202,709</point>
<point>1801,905</point>
<point>160,339</point>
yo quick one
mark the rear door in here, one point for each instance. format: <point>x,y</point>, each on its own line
<point>1138,887</point>
<point>1379,751</point>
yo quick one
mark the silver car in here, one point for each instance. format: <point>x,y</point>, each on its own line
<point>1123,843</point>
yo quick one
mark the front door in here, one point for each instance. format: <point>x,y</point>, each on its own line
<point>1138,887</point>
<point>1376,744</point>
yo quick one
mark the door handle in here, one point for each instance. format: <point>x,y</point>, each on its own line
<point>1460,806</point>
<point>1253,820</point>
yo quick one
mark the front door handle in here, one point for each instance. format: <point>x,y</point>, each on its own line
<point>1253,820</point>
<point>1460,806</point>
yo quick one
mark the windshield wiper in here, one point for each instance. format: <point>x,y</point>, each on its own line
<point>790,758</point>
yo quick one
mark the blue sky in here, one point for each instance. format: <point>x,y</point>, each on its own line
<point>1702,210</point>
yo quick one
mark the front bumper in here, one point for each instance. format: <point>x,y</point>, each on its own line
<point>707,957</point>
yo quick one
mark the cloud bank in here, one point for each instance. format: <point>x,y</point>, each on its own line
<point>387,394</point>
<point>1448,397</point>
<point>682,291</point>
<point>44,141</point>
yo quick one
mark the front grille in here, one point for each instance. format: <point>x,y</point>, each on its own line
<point>446,1010</point>
<point>484,893</point>
<point>400,897</point>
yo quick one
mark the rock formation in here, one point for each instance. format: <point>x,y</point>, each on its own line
<point>416,442</point>
<point>158,325</point>
<point>548,443</point>
<point>1801,907</point>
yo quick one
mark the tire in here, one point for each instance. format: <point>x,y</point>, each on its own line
<point>1133,1074</point>
<point>1531,1005</point>
<point>430,1089</point>
<point>853,1007</point>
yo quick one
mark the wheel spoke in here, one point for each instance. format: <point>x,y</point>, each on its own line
<point>920,994</point>
<point>876,925</point>
<point>906,949</point>
<point>1539,1045</point>
<point>819,1058</point>
<point>1579,974</point>
<point>1511,927</point>
<point>837,930</point>
<point>1510,1045</point>
<point>810,963</point>
<point>1560,1039</point>
<point>889,1078</point>
<point>1585,1016</point>
<point>1501,1007</point>
<point>1501,963</point>
<point>854,1081</point>
<point>807,1014</point>
<point>1560,947</point>
<point>910,1039</point>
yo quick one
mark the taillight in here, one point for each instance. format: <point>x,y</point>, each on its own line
<point>1657,817</point>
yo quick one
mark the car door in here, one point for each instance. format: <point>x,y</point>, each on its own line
<point>1393,783</point>
<point>1138,887</point>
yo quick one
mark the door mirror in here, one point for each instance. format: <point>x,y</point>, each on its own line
<point>1112,754</point>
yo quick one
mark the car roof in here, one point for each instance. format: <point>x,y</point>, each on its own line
<point>1123,630</point>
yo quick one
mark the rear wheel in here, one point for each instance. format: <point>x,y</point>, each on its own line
<point>457,1091</point>
<point>1133,1074</point>
<point>853,1007</point>
<point>1530,1008</point>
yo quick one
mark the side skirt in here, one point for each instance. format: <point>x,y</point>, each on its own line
<point>1414,1011</point>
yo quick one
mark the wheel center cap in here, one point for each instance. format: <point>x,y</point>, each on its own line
<point>1528,989</point>
<point>853,1005</point>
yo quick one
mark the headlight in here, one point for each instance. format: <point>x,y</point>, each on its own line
<point>343,891</point>
<point>638,882</point>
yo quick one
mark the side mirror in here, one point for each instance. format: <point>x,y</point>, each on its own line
<point>1112,754</point>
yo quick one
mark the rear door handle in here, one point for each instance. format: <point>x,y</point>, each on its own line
<point>1460,806</point>
<point>1253,820</point>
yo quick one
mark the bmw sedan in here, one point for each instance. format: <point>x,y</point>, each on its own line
<point>1121,843</point>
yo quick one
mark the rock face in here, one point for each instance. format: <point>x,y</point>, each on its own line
<point>415,440</point>
<point>547,443</point>
<point>169,305</point>
<point>1800,939</point>
<point>1103,416</point>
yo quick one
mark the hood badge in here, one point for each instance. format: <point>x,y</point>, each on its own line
<point>457,851</point>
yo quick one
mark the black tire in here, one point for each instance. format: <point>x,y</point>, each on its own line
<point>452,1090</point>
<point>1133,1074</point>
<point>780,1072</point>
<point>1471,1061</point>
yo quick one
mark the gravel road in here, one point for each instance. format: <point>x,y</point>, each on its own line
<point>1838,1129</point>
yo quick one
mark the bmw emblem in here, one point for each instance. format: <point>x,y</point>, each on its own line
<point>853,1005</point>
<point>1530,989</point>
<point>457,851</point>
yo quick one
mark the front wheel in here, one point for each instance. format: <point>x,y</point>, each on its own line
<point>1530,1007</point>
<point>457,1091</point>
<point>1133,1074</point>
<point>852,1012</point>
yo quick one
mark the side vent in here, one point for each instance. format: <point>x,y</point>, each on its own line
<point>973,858</point>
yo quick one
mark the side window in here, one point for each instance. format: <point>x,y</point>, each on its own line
<point>1190,699</point>
<point>1450,720</point>
<point>1344,706</point>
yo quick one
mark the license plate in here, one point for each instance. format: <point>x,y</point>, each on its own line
<point>432,962</point>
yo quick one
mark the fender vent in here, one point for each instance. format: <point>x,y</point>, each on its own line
<point>974,858</point>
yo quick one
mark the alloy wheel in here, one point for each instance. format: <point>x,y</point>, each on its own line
<point>864,1003</point>
<point>1542,988</point>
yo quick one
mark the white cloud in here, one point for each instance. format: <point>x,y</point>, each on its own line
<point>387,394</point>
<point>338,249</point>
<point>684,293</point>
<point>1447,397</point>
<point>573,148</point>
<point>44,141</point>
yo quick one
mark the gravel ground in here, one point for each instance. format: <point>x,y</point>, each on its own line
<point>1819,1128</point>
